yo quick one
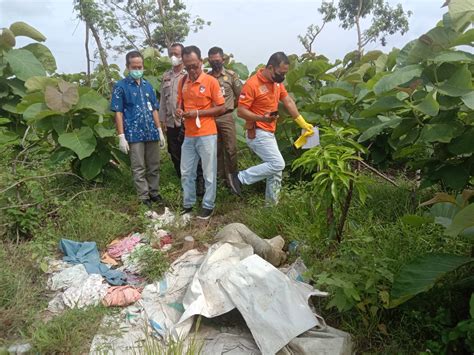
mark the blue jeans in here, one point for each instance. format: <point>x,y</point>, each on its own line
<point>265,146</point>
<point>193,149</point>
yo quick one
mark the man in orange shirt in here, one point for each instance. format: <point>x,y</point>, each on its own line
<point>258,105</point>
<point>199,101</point>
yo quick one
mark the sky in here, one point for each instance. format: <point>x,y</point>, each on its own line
<point>249,29</point>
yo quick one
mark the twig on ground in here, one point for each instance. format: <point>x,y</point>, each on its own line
<point>39,177</point>
<point>375,171</point>
<point>72,198</point>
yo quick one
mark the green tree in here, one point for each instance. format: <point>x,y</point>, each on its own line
<point>385,20</point>
<point>104,28</point>
<point>154,23</point>
<point>329,13</point>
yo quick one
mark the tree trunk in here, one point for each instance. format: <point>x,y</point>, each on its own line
<point>163,17</point>
<point>359,34</point>
<point>103,55</point>
<point>88,57</point>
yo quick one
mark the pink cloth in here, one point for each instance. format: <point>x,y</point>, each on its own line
<point>121,296</point>
<point>126,245</point>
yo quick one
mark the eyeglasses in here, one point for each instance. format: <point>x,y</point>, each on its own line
<point>192,67</point>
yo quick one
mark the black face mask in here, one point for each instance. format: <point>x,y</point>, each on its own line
<point>278,78</point>
<point>216,66</point>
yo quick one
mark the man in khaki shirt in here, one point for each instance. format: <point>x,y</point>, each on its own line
<point>168,98</point>
<point>226,133</point>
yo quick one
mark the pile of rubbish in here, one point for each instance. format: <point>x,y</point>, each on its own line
<point>237,276</point>
<point>85,278</point>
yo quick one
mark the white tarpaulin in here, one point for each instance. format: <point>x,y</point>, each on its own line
<point>274,309</point>
<point>274,306</point>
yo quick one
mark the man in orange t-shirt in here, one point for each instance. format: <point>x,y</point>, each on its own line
<point>199,101</point>
<point>258,105</point>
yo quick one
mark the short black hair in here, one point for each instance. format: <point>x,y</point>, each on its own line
<point>176,44</point>
<point>191,49</point>
<point>215,50</point>
<point>132,54</point>
<point>277,58</point>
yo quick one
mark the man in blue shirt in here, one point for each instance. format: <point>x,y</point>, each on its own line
<point>138,126</point>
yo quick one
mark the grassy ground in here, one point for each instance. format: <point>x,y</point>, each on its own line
<point>358,272</point>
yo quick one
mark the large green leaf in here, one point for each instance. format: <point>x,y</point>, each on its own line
<point>429,106</point>
<point>81,141</point>
<point>240,69</point>
<point>462,220</point>
<point>383,104</point>
<point>453,56</point>
<point>440,132</point>
<point>436,40</point>
<point>421,275</point>
<point>24,64</point>
<point>397,78</point>
<point>93,101</point>
<point>387,122</point>
<point>92,166</point>
<point>23,29</point>
<point>464,144</point>
<point>33,110</point>
<point>39,83</point>
<point>461,12</point>
<point>44,55</point>
<point>453,176</point>
<point>63,99</point>
<point>459,84</point>
<point>465,39</point>
<point>332,98</point>
<point>468,100</point>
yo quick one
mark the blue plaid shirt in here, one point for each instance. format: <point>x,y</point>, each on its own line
<point>137,103</point>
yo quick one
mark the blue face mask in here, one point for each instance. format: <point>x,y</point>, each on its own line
<point>136,74</point>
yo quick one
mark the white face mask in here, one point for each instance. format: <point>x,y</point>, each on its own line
<point>175,61</point>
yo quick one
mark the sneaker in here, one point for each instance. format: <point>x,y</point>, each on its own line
<point>186,210</point>
<point>205,213</point>
<point>147,203</point>
<point>156,199</point>
<point>235,184</point>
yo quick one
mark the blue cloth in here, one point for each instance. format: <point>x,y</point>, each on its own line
<point>137,103</point>
<point>265,146</point>
<point>86,253</point>
<point>193,149</point>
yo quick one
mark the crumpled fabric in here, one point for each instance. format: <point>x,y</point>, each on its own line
<point>86,253</point>
<point>124,246</point>
<point>121,296</point>
<point>89,293</point>
<point>68,277</point>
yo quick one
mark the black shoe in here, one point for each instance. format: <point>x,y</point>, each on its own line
<point>205,213</point>
<point>234,183</point>
<point>186,210</point>
<point>147,203</point>
<point>156,199</point>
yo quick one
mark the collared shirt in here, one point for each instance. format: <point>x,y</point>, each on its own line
<point>260,96</point>
<point>137,103</point>
<point>230,87</point>
<point>202,94</point>
<point>169,97</point>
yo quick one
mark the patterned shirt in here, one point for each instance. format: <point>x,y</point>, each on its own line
<point>137,103</point>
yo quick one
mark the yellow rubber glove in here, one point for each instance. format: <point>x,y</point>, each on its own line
<point>300,121</point>
<point>301,141</point>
